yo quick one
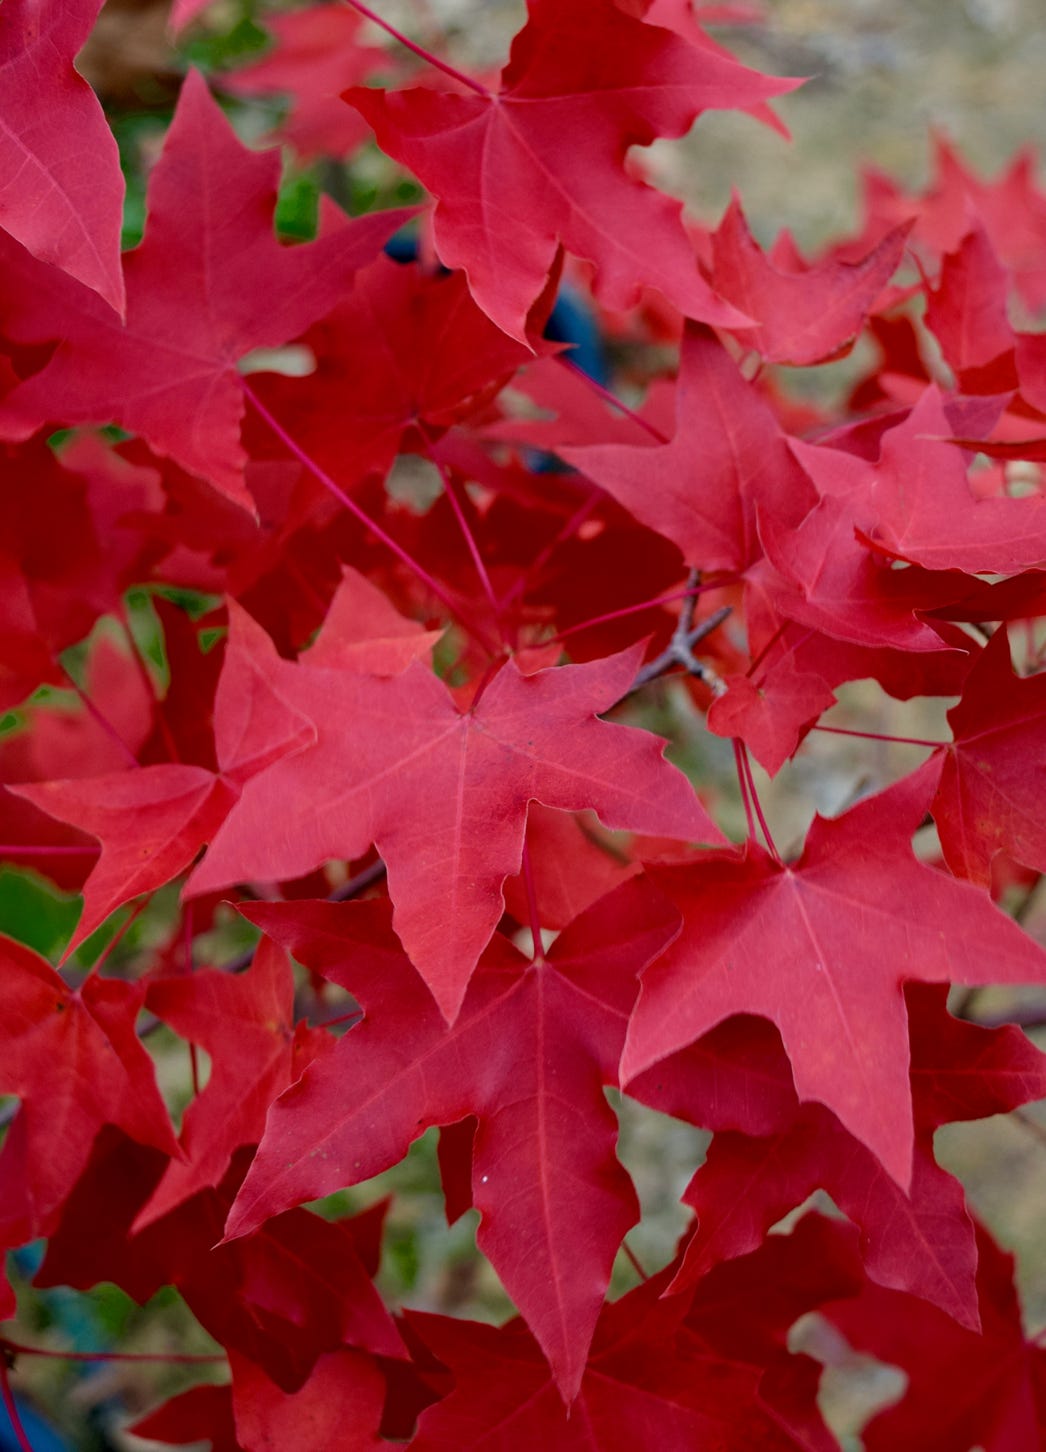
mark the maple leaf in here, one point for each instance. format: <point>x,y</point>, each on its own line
<point>967,314</point>
<point>339,1406</point>
<point>803,315</point>
<point>398,360</point>
<point>915,502</point>
<point>528,1056</point>
<point>61,199</point>
<point>570,866</point>
<point>822,948</point>
<point>442,794</point>
<point>317,54</point>
<point>246,1026</point>
<point>821,574</point>
<point>996,1381</point>
<point>363,632</point>
<point>540,161</point>
<point>647,1383</point>
<point>660,1371</point>
<point>58,581</point>
<point>728,456</point>
<point>295,1289</point>
<point>170,374</point>
<point>989,795</point>
<point>106,1077</point>
<point>766,1158</point>
<point>772,722</point>
<point>152,820</point>
<point>200,1414</point>
<point>920,1241</point>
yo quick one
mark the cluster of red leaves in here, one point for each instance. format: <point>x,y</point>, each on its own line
<point>510,959</point>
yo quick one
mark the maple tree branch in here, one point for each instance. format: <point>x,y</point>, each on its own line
<point>10,1350</point>
<point>680,649</point>
<point>419,50</point>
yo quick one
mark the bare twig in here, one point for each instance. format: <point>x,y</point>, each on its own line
<point>680,649</point>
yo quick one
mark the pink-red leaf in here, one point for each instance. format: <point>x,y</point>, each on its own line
<point>443,794</point>
<point>822,947</point>
<point>539,164</point>
<point>61,187</point>
<point>170,373</point>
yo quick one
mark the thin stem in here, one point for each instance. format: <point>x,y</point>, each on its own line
<point>633,1261</point>
<point>754,665</point>
<point>532,907</point>
<point>742,782</point>
<point>121,931</point>
<point>612,398</point>
<point>690,594</point>
<point>425,55</point>
<point>747,768</point>
<point>354,1017</point>
<point>11,1406</point>
<point>879,736</point>
<point>15,1348</point>
<point>365,519</point>
<point>1033,1126</point>
<point>470,541</point>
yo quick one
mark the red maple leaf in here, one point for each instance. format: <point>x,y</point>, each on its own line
<point>803,314</point>
<point>660,1372</point>
<point>540,162</point>
<point>105,1077</point>
<point>822,947</point>
<point>298,1287</point>
<point>996,1380</point>
<point>915,501</point>
<point>727,458</point>
<point>399,359</point>
<point>170,373</point>
<point>245,1024</point>
<point>443,794</point>
<point>967,314</point>
<point>317,54</point>
<point>990,795</point>
<point>528,1056</point>
<point>152,820</point>
<point>339,1406</point>
<point>61,200</point>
